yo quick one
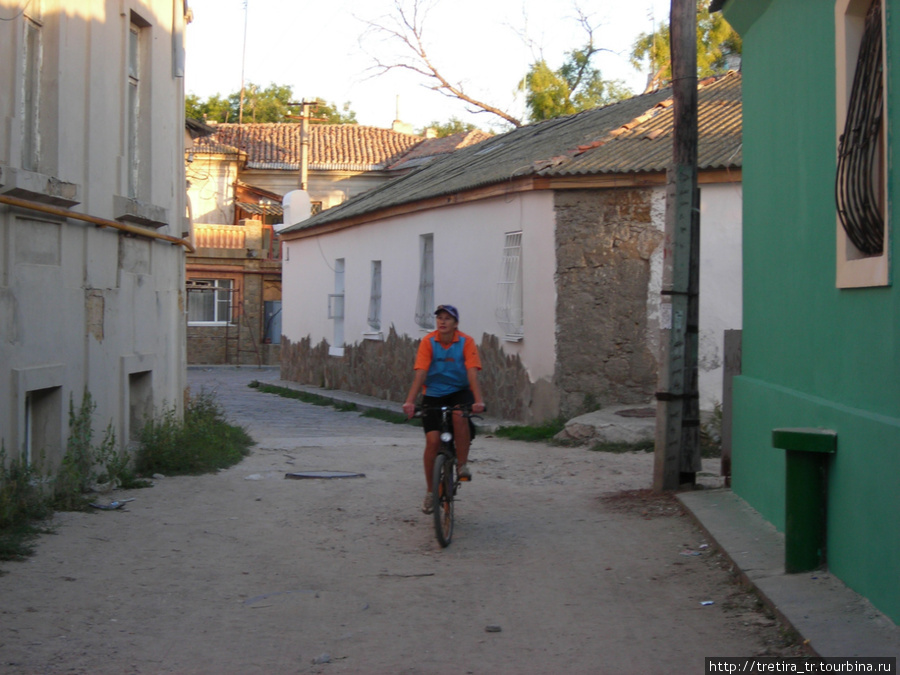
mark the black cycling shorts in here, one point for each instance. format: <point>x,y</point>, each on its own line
<point>431,421</point>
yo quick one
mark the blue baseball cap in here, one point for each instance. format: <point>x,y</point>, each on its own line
<point>450,309</point>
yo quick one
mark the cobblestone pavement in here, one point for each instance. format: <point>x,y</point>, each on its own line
<point>275,418</point>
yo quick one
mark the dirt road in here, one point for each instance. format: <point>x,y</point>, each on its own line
<point>245,571</point>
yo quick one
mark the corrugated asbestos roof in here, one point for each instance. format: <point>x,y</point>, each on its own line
<point>349,147</point>
<point>632,136</point>
<point>428,149</point>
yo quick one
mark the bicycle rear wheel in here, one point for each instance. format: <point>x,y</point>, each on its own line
<point>442,494</point>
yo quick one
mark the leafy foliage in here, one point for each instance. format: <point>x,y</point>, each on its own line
<point>620,447</point>
<point>202,442</point>
<point>213,109</point>
<point>452,126</point>
<point>22,504</point>
<point>305,396</point>
<point>573,87</point>
<point>261,105</point>
<point>332,115</point>
<point>541,432</point>
<point>716,41</point>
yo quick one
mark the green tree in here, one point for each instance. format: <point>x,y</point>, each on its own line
<point>271,104</point>
<point>332,115</point>
<point>575,86</point>
<point>213,109</point>
<point>452,126</point>
<point>716,41</point>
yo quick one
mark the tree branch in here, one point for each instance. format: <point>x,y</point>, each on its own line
<point>408,30</point>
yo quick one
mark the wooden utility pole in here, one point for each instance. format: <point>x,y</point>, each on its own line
<point>677,457</point>
<point>305,107</point>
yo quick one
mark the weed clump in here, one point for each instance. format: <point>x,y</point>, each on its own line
<point>543,432</point>
<point>305,396</point>
<point>202,442</point>
<point>22,507</point>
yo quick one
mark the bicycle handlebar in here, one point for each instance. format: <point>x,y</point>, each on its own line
<point>465,408</point>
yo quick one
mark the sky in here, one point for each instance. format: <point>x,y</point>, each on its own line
<point>321,48</point>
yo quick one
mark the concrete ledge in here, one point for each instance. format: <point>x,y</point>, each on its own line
<point>833,620</point>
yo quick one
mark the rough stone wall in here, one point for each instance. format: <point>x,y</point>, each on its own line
<point>384,370</point>
<point>604,240</point>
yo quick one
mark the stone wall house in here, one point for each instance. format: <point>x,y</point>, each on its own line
<point>92,206</point>
<point>548,238</point>
<point>237,176</point>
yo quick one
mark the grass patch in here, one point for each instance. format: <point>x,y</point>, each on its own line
<point>390,416</point>
<point>543,432</point>
<point>201,443</point>
<point>22,507</point>
<point>306,397</point>
<point>621,447</point>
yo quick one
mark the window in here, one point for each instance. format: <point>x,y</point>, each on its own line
<point>509,289</point>
<point>31,144</point>
<point>336,309</point>
<point>375,297</point>
<point>861,179</point>
<point>137,46</point>
<point>425,299</point>
<point>210,301</point>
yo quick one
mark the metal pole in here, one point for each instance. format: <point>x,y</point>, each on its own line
<point>677,457</point>
<point>304,144</point>
<point>243,63</point>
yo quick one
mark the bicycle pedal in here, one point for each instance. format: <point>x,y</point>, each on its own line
<point>465,479</point>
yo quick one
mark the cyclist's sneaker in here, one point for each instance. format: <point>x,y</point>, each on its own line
<point>427,505</point>
<point>464,472</point>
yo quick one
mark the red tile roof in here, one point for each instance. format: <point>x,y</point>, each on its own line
<point>332,146</point>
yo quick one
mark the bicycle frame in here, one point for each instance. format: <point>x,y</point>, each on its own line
<point>445,480</point>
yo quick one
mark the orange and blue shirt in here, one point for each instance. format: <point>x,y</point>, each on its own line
<point>447,366</point>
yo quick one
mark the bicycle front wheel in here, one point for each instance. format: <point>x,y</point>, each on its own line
<point>442,494</point>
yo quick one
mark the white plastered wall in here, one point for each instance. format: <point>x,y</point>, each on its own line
<point>468,249</point>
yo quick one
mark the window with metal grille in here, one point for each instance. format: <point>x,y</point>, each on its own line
<point>425,298</point>
<point>859,183</point>
<point>861,177</point>
<point>209,301</point>
<point>509,310</point>
<point>375,297</point>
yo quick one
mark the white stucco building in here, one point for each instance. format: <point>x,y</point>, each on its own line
<point>549,240</point>
<point>92,217</point>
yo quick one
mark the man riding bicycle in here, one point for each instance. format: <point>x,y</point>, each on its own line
<point>446,371</point>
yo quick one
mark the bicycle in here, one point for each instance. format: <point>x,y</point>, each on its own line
<point>445,480</point>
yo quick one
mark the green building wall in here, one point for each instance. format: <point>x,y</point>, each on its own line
<point>814,355</point>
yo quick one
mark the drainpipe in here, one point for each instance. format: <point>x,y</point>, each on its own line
<point>94,220</point>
